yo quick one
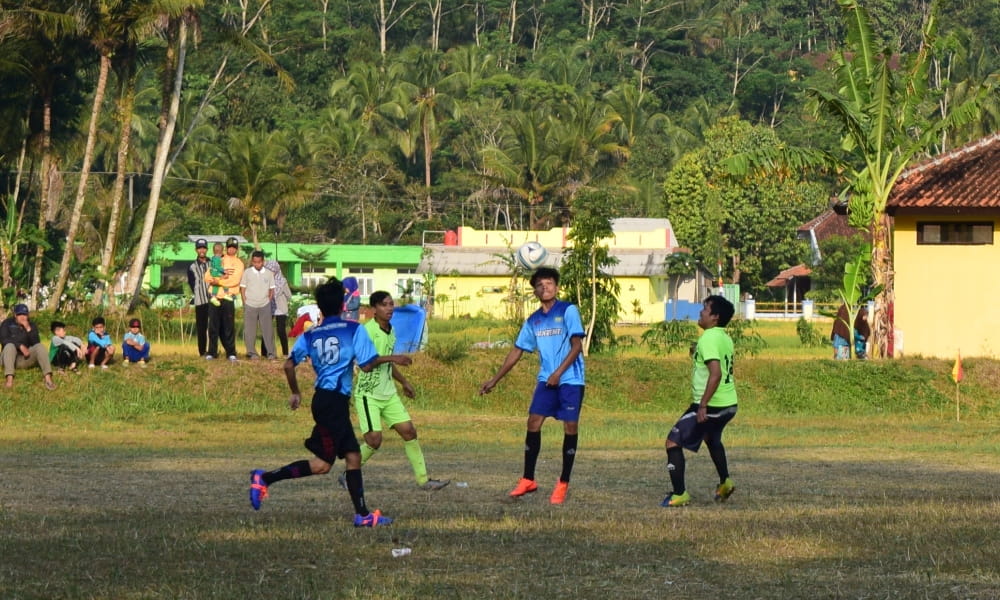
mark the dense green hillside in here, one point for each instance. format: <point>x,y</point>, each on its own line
<point>326,120</point>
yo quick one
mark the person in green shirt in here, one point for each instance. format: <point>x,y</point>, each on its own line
<point>376,398</point>
<point>713,403</point>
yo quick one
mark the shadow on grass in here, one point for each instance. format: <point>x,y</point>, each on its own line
<point>151,524</point>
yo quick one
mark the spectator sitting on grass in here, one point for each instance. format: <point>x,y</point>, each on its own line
<point>135,348</point>
<point>100,347</point>
<point>22,347</point>
<point>67,350</point>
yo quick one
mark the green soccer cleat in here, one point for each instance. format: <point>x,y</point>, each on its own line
<point>433,485</point>
<point>725,490</point>
<point>674,500</point>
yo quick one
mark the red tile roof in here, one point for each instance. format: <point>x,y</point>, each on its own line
<point>788,274</point>
<point>968,177</point>
<point>828,224</point>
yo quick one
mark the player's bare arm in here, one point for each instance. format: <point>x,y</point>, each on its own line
<point>714,378</point>
<point>508,363</point>
<point>293,385</point>
<point>575,348</point>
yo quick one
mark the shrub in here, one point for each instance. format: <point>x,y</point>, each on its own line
<point>669,336</point>
<point>448,351</point>
<point>746,340</point>
<point>808,336</point>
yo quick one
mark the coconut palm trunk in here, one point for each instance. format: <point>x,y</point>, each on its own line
<point>176,54</point>
<point>43,200</point>
<point>125,110</point>
<point>81,188</point>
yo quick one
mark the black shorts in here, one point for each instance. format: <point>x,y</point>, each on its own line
<point>332,435</point>
<point>689,433</point>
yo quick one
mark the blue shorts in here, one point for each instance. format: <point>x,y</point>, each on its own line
<point>689,433</point>
<point>563,402</point>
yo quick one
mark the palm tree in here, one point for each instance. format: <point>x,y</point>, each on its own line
<point>373,94</point>
<point>172,77</point>
<point>114,28</point>
<point>527,162</point>
<point>427,107</point>
<point>254,176</point>
<point>143,20</point>
<point>50,55</point>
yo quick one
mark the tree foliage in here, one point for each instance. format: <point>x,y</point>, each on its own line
<point>731,220</point>
<point>583,276</point>
<point>403,117</point>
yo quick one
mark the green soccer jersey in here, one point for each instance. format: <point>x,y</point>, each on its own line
<point>378,383</point>
<point>714,344</point>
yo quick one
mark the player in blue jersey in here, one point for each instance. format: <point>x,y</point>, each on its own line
<point>556,332</point>
<point>334,347</point>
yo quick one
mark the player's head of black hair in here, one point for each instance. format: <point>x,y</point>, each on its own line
<point>57,325</point>
<point>544,273</point>
<point>330,297</point>
<point>97,321</point>
<point>377,297</point>
<point>722,308</point>
<point>257,254</point>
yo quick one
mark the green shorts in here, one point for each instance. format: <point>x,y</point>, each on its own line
<point>372,411</point>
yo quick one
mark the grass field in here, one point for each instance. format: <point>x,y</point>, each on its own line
<point>854,480</point>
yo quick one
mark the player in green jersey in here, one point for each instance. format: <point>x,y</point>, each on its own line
<point>713,403</point>
<point>377,399</point>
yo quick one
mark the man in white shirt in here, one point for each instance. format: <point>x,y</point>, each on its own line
<point>256,289</point>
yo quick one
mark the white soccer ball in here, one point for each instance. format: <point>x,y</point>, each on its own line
<point>531,255</point>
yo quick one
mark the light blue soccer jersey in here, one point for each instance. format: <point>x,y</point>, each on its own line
<point>333,347</point>
<point>549,333</point>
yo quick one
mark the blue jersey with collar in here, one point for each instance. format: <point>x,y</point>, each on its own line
<point>550,333</point>
<point>333,347</point>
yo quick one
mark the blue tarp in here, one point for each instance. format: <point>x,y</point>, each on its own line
<point>685,310</point>
<point>409,322</point>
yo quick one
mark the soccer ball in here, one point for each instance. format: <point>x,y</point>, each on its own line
<point>531,255</point>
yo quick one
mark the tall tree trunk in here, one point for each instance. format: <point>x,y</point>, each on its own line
<point>428,150</point>
<point>81,188</point>
<point>43,200</point>
<point>125,110</point>
<point>168,121</point>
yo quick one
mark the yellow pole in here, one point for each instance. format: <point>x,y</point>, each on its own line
<point>958,416</point>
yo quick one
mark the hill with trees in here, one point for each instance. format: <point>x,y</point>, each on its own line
<point>370,122</point>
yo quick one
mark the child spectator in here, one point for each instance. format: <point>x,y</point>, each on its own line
<point>67,350</point>
<point>215,269</point>
<point>135,348</point>
<point>100,347</point>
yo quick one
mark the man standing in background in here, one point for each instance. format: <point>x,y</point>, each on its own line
<point>257,290</point>
<point>196,281</point>
<point>222,318</point>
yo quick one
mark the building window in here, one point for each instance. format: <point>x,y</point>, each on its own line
<point>312,280</point>
<point>955,232</point>
<point>366,286</point>
<point>409,286</point>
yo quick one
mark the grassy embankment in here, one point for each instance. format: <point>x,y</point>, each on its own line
<point>854,481</point>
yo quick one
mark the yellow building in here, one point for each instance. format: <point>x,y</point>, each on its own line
<point>474,270</point>
<point>946,213</point>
